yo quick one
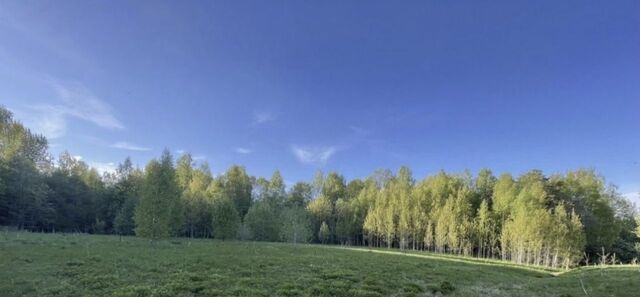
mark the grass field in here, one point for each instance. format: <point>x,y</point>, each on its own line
<point>92,265</point>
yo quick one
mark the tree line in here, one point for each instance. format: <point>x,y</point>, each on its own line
<point>555,221</point>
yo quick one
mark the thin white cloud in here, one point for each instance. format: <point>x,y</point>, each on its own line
<point>313,154</point>
<point>261,117</point>
<point>129,146</point>
<point>180,152</point>
<point>51,120</point>
<point>199,158</point>
<point>44,119</point>
<point>243,150</point>
<point>359,130</point>
<point>80,102</point>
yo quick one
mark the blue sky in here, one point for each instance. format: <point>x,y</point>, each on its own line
<point>334,85</point>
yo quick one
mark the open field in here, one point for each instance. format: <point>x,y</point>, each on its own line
<point>91,265</point>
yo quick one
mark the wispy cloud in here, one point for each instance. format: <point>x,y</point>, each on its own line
<point>44,119</point>
<point>199,157</point>
<point>80,102</point>
<point>243,150</point>
<point>313,154</point>
<point>129,146</point>
<point>359,130</point>
<point>261,117</point>
<point>77,101</point>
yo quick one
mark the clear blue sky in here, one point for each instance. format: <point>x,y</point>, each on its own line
<point>334,85</point>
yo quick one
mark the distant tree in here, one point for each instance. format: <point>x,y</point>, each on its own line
<point>637,232</point>
<point>25,196</point>
<point>320,210</point>
<point>345,222</point>
<point>226,221</point>
<point>324,233</point>
<point>535,219</point>
<point>334,187</point>
<point>276,194</point>
<point>126,192</point>
<point>624,246</point>
<point>17,141</point>
<point>483,188</point>
<point>124,223</point>
<point>594,204</point>
<point>23,189</point>
<point>504,195</point>
<point>353,189</point>
<point>158,214</point>
<point>296,225</point>
<point>236,185</point>
<point>184,171</point>
<point>75,189</point>
<point>402,195</point>
<point>197,202</point>
<point>317,184</point>
<point>263,221</point>
<point>381,177</point>
<point>485,230</point>
<point>360,206</point>
<point>299,195</point>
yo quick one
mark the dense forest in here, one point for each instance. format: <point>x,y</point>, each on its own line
<point>558,220</point>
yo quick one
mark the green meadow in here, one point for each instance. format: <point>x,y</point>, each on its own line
<point>34,264</point>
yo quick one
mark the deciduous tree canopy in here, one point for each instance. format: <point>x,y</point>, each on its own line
<point>532,218</point>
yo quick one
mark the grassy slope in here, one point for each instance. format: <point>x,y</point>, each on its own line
<point>84,265</point>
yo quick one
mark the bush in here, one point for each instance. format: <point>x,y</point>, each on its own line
<point>446,287</point>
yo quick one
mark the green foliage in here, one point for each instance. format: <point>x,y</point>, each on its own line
<point>588,195</point>
<point>264,221</point>
<point>300,195</point>
<point>236,185</point>
<point>637,230</point>
<point>226,220</point>
<point>296,225</point>
<point>23,189</point>
<point>324,233</point>
<point>444,288</point>
<point>484,185</point>
<point>123,222</point>
<point>197,202</point>
<point>184,171</point>
<point>346,227</point>
<point>159,211</point>
<point>75,190</point>
<point>504,195</point>
<point>125,193</point>
<point>320,210</point>
<point>532,219</point>
<point>353,189</point>
<point>17,141</point>
<point>334,187</point>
